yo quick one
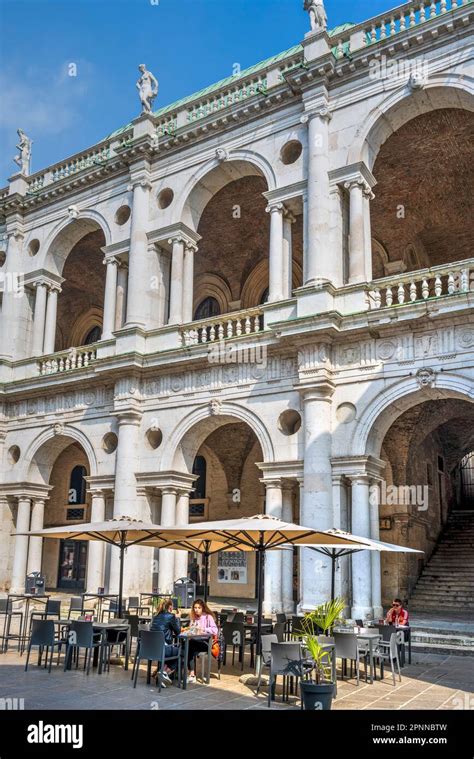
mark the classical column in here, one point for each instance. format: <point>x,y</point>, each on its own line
<point>359,229</point>
<point>272,598</point>
<point>167,555</point>
<point>51,317</point>
<point>368,196</point>
<point>339,499</point>
<point>137,259</point>
<point>276,251</point>
<point>35,548</point>
<point>10,323</point>
<point>182,517</point>
<point>288,221</point>
<point>110,297</point>
<point>361,561</point>
<point>188,282</point>
<point>176,288</point>
<point>39,318</point>
<point>20,555</point>
<point>316,509</point>
<point>318,263</point>
<point>374,509</point>
<point>96,551</point>
<point>121,300</point>
<point>288,604</point>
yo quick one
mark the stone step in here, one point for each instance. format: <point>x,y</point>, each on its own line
<point>436,648</point>
<point>442,638</point>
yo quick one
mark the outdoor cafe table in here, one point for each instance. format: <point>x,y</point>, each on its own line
<point>27,597</point>
<point>371,638</point>
<point>101,598</point>
<point>183,640</point>
<point>101,627</point>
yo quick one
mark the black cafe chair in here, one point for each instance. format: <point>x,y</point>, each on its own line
<point>43,636</point>
<point>152,648</point>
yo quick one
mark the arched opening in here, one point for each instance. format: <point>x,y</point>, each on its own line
<point>207,308</point>
<point>421,215</point>
<point>424,504</point>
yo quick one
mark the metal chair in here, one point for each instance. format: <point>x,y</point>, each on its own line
<point>388,651</point>
<point>152,648</point>
<point>279,630</point>
<point>280,617</point>
<point>135,605</point>
<point>234,635</point>
<point>386,631</point>
<point>7,611</point>
<point>76,606</point>
<point>236,616</point>
<point>267,641</point>
<point>348,647</point>
<point>285,660</point>
<point>113,608</point>
<point>51,609</point>
<point>43,635</point>
<point>82,635</point>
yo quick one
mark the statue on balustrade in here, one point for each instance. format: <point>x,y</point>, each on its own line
<point>24,156</point>
<point>317,14</point>
<point>147,87</point>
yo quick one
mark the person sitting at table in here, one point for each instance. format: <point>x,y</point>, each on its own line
<point>397,615</point>
<point>203,621</point>
<point>167,621</point>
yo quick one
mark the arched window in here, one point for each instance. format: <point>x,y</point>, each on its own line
<point>77,485</point>
<point>207,308</point>
<point>93,336</point>
<point>199,469</point>
<point>264,296</point>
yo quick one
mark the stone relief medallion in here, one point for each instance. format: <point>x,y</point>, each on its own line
<point>257,372</point>
<point>215,407</point>
<point>58,429</point>
<point>386,349</point>
<point>425,377</point>
<point>466,338</point>
<point>32,407</point>
<point>346,413</point>
<point>89,398</point>
<point>177,384</point>
<point>350,355</point>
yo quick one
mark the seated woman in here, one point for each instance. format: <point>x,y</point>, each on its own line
<point>167,620</point>
<point>203,620</point>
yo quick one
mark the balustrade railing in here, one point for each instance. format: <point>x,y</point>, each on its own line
<point>74,358</point>
<point>422,285</point>
<point>238,324</point>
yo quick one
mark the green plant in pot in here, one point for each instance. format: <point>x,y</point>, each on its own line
<point>317,693</point>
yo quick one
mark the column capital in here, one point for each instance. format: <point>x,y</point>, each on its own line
<point>128,416</point>
<point>178,239</point>
<point>54,288</point>
<point>323,112</point>
<point>317,391</point>
<point>289,217</point>
<point>111,260</point>
<point>362,183</point>
<point>274,482</point>
<point>274,207</point>
<point>139,182</point>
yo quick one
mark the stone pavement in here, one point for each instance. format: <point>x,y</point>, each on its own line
<point>430,682</point>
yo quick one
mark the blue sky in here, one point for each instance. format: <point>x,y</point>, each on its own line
<point>187,44</point>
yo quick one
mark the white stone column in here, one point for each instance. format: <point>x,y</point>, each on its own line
<point>39,318</point>
<point>343,564</point>
<point>288,605</point>
<point>96,552</point>
<point>287,277</point>
<point>272,597</point>
<point>188,283</point>
<point>125,490</point>
<point>167,555</point>
<point>51,318</point>
<point>276,251</point>
<point>318,264</point>
<point>138,255</point>
<point>361,561</point>
<point>316,508</point>
<point>20,556</point>
<point>35,548</point>
<point>121,299</point>
<point>110,297</point>
<point>10,323</point>
<point>176,288</point>
<point>374,509</point>
<point>356,231</point>
<point>368,196</point>
<point>182,517</point>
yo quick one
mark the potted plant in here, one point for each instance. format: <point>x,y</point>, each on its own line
<point>317,693</point>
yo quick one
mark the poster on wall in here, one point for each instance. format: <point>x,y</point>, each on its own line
<point>232,567</point>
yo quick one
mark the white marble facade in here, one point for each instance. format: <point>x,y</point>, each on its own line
<point>142,400</point>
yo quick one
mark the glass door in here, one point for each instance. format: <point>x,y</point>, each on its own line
<point>72,564</point>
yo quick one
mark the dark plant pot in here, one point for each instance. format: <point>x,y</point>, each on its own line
<point>316,697</point>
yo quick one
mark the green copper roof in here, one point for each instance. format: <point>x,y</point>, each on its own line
<point>231,79</point>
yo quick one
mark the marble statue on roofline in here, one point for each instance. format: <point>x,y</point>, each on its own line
<point>147,87</point>
<point>317,14</point>
<point>24,156</point>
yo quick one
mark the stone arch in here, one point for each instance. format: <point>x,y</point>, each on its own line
<point>441,91</point>
<point>192,431</point>
<point>43,451</point>
<point>378,416</point>
<point>257,281</point>
<point>214,175</point>
<point>214,286</point>
<point>67,234</point>
<point>84,323</point>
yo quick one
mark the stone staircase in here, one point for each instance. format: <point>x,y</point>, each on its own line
<point>447,581</point>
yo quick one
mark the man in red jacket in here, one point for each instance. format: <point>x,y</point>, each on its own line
<point>397,615</point>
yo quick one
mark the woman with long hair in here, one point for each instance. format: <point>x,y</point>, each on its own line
<point>202,621</point>
<point>167,620</point>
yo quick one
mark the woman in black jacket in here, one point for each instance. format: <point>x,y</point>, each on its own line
<point>167,620</point>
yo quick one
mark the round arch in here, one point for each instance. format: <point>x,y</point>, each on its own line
<point>258,279</point>
<point>192,431</point>
<point>371,427</point>
<point>67,234</point>
<point>441,91</point>
<point>43,451</point>
<point>215,174</point>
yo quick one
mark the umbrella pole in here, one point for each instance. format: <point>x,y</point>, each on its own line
<point>333,573</point>
<point>261,565</point>
<point>122,552</point>
<point>206,573</point>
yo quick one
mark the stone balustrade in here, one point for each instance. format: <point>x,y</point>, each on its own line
<point>74,358</point>
<point>219,100</point>
<point>422,285</point>
<point>223,327</point>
